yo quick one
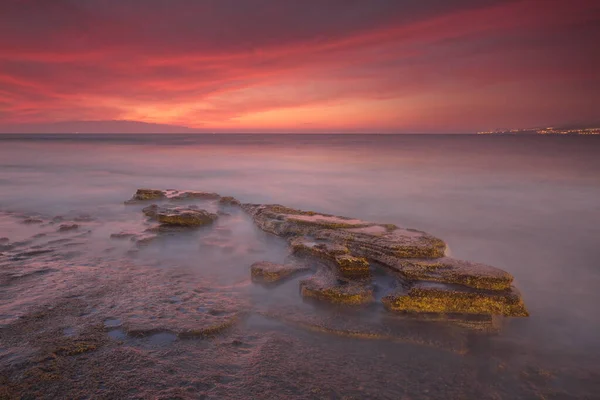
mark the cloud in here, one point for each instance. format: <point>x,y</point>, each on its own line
<point>249,65</point>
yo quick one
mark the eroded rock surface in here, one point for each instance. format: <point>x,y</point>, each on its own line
<point>423,297</point>
<point>346,251</point>
<point>268,272</point>
<point>326,286</point>
<point>179,216</point>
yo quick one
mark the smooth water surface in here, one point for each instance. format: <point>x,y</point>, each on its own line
<point>526,204</point>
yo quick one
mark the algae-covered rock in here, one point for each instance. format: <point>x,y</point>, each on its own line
<point>352,267</point>
<point>185,217</point>
<point>286,222</point>
<point>191,195</point>
<point>179,216</point>
<point>376,242</point>
<point>437,298</point>
<point>327,287</point>
<point>268,272</point>
<point>347,249</point>
<point>449,270</point>
<point>230,201</point>
<point>146,194</point>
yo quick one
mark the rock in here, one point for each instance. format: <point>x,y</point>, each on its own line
<point>231,201</point>
<point>438,298</point>
<point>4,240</point>
<point>150,211</point>
<point>268,272</point>
<point>179,216</point>
<point>146,194</point>
<point>68,227</point>
<point>352,267</point>
<point>449,270</point>
<point>347,248</point>
<point>286,222</point>
<point>123,235</point>
<point>30,221</point>
<point>376,242</point>
<point>143,240</point>
<point>325,286</point>
<point>195,196</point>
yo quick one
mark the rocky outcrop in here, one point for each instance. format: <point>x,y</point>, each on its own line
<point>145,195</point>
<point>179,216</point>
<point>347,249</point>
<point>424,297</point>
<point>326,286</point>
<point>268,272</point>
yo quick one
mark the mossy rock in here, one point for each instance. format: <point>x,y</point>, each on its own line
<point>268,272</point>
<point>147,194</point>
<point>449,270</point>
<point>435,298</point>
<point>327,288</point>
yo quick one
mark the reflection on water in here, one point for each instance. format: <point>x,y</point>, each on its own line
<point>525,204</point>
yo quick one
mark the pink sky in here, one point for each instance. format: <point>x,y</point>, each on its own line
<point>301,66</point>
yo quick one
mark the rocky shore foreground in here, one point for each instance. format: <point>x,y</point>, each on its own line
<point>343,252</point>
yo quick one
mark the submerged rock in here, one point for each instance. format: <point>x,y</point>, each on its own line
<point>268,272</point>
<point>436,298</point>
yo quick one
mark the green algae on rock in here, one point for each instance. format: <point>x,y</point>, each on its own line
<point>268,272</point>
<point>432,298</point>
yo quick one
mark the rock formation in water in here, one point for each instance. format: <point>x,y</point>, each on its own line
<point>348,248</point>
<point>268,272</point>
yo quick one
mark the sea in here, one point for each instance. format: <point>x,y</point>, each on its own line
<point>87,315</point>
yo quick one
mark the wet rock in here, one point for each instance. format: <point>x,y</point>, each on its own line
<point>31,221</point>
<point>143,240</point>
<point>185,217</point>
<point>68,227</point>
<point>4,240</point>
<point>269,272</point>
<point>123,235</point>
<point>231,201</point>
<point>445,299</point>
<point>150,211</point>
<point>377,242</point>
<point>326,287</point>
<point>83,218</point>
<point>179,216</point>
<point>195,196</point>
<point>286,222</point>
<point>146,194</point>
<point>449,270</point>
<point>352,267</point>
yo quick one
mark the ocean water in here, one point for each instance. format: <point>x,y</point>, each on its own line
<point>527,204</point>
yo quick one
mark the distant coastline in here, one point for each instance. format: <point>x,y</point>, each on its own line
<point>545,131</point>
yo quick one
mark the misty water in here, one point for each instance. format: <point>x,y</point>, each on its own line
<point>526,204</point>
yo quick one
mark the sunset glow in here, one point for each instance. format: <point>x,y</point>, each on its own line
<point>293,66</point>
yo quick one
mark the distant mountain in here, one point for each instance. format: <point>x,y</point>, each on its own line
<point>95,127</point>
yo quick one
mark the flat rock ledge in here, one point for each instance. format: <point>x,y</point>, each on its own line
<point>179,216</point>
<point>268,272</point>
<point>348,248</point>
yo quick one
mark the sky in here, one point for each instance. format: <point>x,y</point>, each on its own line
<point>389,66</point>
